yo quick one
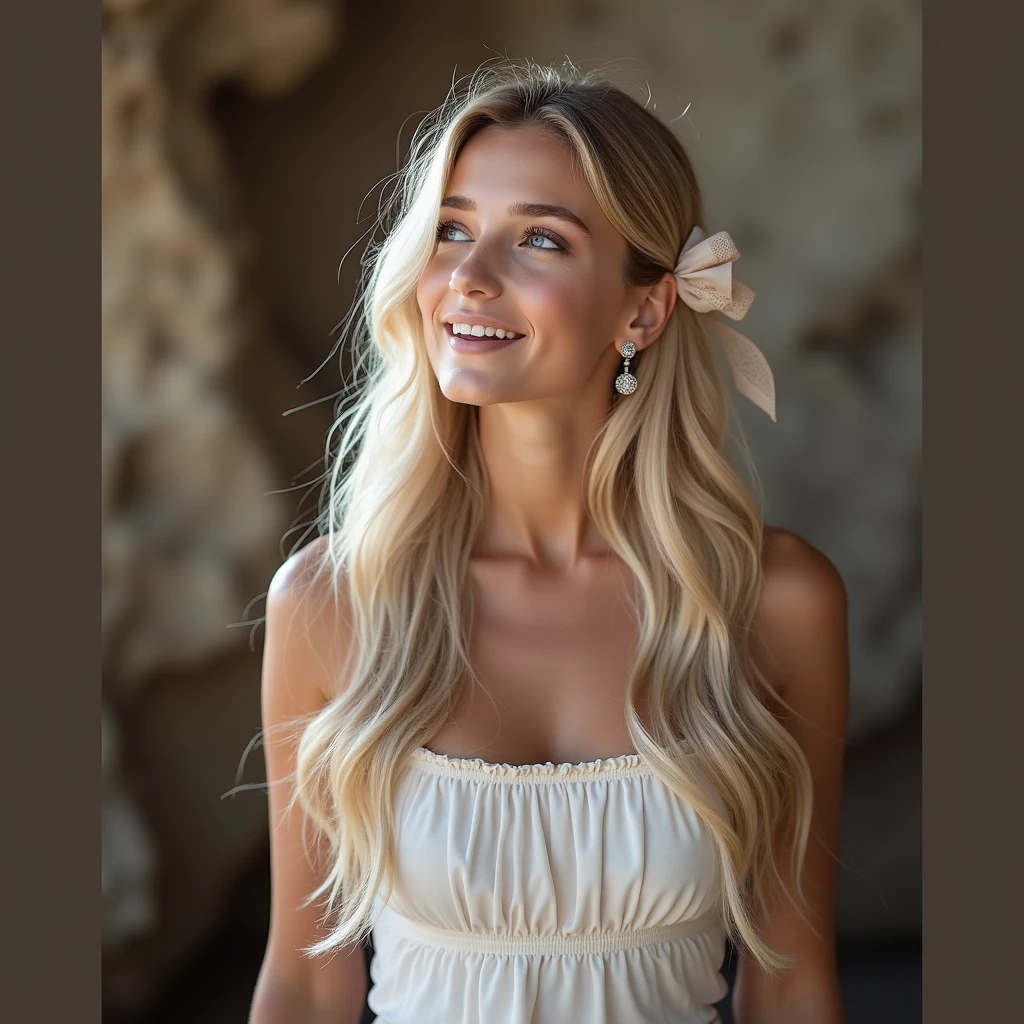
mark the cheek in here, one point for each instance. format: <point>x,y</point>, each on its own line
<point>555,307</point>
<point>574,327</point>
<point>431,288</point>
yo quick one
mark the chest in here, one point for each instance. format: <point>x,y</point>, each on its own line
<point>552,653</point>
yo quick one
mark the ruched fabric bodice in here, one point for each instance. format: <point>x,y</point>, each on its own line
<point>547,894</point>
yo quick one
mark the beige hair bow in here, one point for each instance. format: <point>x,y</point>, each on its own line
<point>705,283</point>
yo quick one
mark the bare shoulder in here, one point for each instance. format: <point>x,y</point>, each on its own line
<point>797,576</point>
<point>301,574</point>
<point>801,621</point>
<point>307,623</point>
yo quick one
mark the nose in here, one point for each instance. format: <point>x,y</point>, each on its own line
<point>475,276</point>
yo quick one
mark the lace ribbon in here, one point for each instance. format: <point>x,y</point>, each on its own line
<point>705,283</point>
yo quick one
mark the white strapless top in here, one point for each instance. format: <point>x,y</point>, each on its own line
<point>547,894</point>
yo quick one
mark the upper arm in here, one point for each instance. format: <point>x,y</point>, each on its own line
<point>801,646</point>
<point>305,640</point>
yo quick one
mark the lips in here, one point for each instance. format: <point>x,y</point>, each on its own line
<point>471,344</point>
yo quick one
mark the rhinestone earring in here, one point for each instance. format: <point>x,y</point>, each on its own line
<point>626,383</point>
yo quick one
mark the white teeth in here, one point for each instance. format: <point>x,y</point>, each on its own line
<point>478,331</point>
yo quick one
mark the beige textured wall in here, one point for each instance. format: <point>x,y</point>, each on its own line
<point>190,535</point>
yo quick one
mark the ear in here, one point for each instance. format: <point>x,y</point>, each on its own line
<point>657,302</point>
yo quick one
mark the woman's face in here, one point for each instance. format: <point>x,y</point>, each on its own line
<point>554,278</point>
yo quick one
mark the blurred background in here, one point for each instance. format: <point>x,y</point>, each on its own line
<point>239,140</point>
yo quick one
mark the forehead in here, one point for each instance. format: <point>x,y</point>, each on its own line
<point>500,166</point>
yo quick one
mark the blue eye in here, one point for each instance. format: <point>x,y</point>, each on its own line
<point>443,227</point>
<point>540,233</point>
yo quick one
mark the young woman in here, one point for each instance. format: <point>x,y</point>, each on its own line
<point>547,706</point>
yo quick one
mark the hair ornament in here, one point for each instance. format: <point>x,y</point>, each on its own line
<point>705,283</point>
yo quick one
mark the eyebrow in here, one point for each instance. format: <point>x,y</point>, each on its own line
<point>523,210</point>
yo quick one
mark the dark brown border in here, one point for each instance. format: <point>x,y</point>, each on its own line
<point>49,372</point>
<point>973,370</point>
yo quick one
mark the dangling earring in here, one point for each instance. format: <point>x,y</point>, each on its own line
<point>626,383</point>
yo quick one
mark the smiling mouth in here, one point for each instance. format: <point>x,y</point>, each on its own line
<point>473,343</point>
<point>480,331</point>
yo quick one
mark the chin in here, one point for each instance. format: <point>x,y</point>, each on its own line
<point>468,387</point>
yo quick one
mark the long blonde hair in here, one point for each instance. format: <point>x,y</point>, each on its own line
<point>404,503</point>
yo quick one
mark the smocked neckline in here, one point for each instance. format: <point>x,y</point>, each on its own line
<point>602,767</point>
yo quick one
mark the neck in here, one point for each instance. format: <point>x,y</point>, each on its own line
<point>534,456</point>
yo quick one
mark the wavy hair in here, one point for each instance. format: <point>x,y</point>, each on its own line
<point>406,489</point>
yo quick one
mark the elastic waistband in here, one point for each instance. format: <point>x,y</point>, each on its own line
<point>401,926</point>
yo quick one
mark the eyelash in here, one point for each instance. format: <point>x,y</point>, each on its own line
<point>528,233</point>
